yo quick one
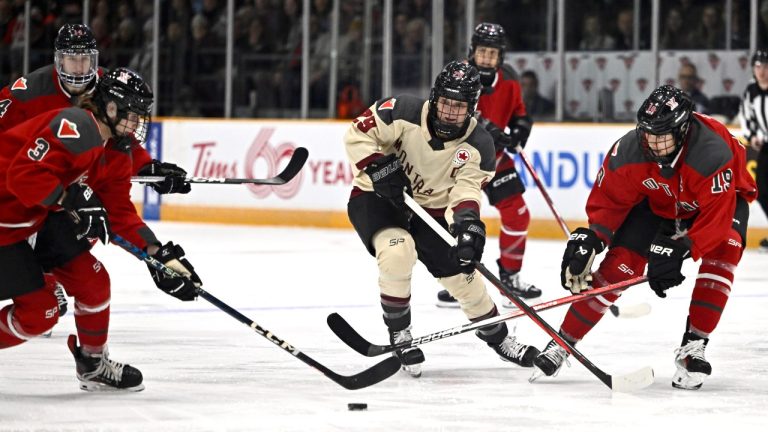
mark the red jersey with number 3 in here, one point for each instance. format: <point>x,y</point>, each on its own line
<point>708,175</point>
<point>40,158</point>
<point>41,91</point>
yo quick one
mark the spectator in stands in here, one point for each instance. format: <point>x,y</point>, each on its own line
<point>689,82</point>
<point>710,33</point>
<point>623,37</point>
<point>592,36</point>
<point>124,42</point>
<point>674,36</point>
<point>536,105</point>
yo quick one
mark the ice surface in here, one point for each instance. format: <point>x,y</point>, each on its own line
<point>206,371</point>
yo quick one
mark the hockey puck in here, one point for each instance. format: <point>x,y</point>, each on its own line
<point>357,406</point>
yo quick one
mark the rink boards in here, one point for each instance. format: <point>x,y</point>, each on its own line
<point>566,158</point>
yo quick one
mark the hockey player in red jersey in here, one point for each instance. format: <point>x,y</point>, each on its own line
<point>677,187</point>
<point>76,160</point>
<point>501,106</point>
<point>73,75</point>
<point>435,150</point>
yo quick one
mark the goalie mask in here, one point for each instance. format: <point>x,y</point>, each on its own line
<point>488,35</point>
<point>453,100</point>
<point>663,122</point>
<point>133,99</point>
<point>76,57</point>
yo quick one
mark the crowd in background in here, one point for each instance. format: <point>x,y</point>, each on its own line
<point>268,44</point>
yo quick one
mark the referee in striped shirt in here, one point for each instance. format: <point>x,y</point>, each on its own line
<point>754,123</point>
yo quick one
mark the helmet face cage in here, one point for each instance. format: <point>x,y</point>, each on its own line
<point>457,82</point>
<point>666,112</point>
<point>75,43</point>
<point>488,35</point>
<point>74,79</point>
<point>131,95</point>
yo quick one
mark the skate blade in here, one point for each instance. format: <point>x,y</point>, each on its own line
<point>685,380</point>
<point>412,371</point>
<point>637,380</point>
<point>447,305</point>
<point>95,387</point>
<point>537,373</point>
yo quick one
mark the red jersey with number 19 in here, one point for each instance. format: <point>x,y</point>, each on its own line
<point>706,178</point>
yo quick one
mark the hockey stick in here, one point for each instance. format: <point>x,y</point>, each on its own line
<point>541,187</point>
<point>294,166</point>
<point>625,311</point>
<point>368,377</point>
<point>633,381</point>
<point>354,340</point>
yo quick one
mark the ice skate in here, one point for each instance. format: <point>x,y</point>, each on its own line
<point>512,351</point>
<point>98,373</point>
<point>692,367</point>
<point>446,300</point>
<point>550,361</point>
<point>517,286</point>
<point>410,358</point>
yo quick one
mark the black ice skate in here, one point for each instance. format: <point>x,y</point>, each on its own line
<point>550,361</point>
<point>446,300</point>
<point>97,372</point>
<point>410,358</point>
<point>512,351</point>
<point>692,367</point>
<point>520,288</point>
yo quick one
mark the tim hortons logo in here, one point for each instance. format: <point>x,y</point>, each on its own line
<point>262,160</point>
<point>601,62</point>
<point>587,84</point>
<point>727,84</point>
<point>520,63</point>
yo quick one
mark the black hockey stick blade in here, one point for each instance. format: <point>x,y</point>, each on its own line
<point>341,328</point>
<point>368,377</point>
<point>295,164</point>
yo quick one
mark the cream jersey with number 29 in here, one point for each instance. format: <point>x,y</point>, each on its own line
<point>445,176</point>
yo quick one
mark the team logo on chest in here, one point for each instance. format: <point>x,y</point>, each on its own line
<point>461,157</point>
<point>67,129</point>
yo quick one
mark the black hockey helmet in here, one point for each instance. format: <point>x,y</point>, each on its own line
<point>760,56</point>
<point>488,35</point>
<point>131,94</point>
<point>666,111</point>
<point>76,40</point>
<point>457,81</point>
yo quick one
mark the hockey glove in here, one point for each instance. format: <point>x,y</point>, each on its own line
<point>175,177</point>
<point>580,251</point>
<point>500,140</point>
<point>665,262</point>
<point>389,179</point>
<point>88,213</point>
<point>470,242</point>
<point>519,137</point>
<point>183,288</point>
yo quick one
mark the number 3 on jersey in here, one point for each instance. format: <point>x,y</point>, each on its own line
<point>4,104</point>
<point>38,152</point>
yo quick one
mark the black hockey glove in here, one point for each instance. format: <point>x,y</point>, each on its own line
<point>500,140</point>
<point>470,242</point>
<point>518,135</point>
<point>389,179</point>
<point>88,213</point>
<point>665,262</point>
<point>183,288</point>
<point>576,269</point>
<point>175,177</point>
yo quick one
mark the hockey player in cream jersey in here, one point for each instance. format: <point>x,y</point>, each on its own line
<point>434,151</point>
